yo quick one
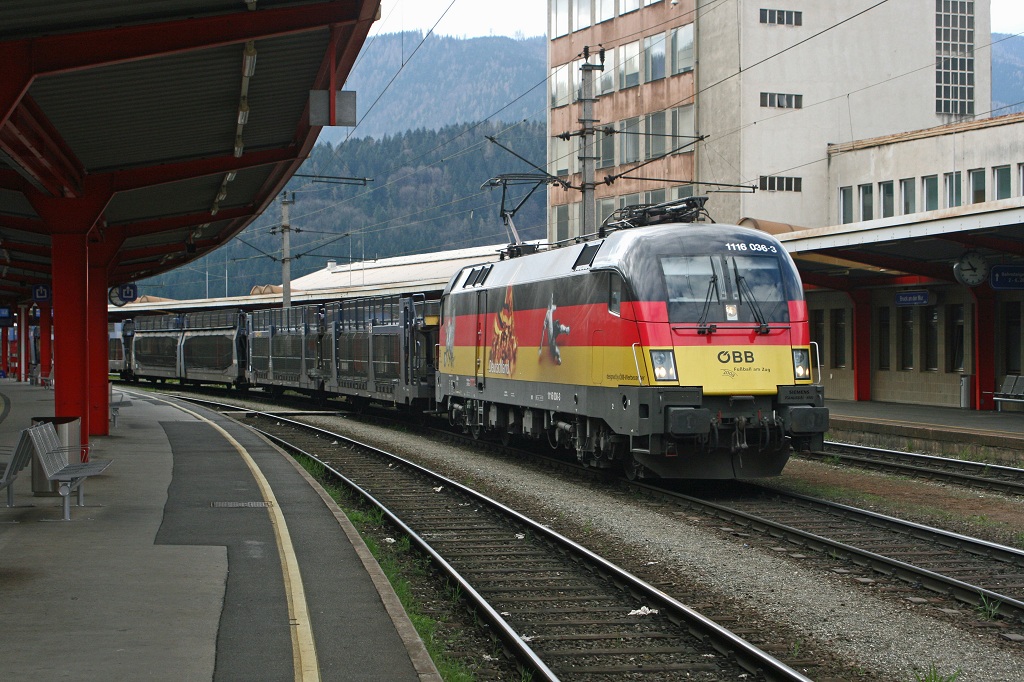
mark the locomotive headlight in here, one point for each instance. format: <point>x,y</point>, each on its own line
<point>664,363</point>
<point>801,363</point>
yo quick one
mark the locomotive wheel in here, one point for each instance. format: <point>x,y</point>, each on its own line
<point>475,431</point>
<point>506,437</point>
<point>633,469</point>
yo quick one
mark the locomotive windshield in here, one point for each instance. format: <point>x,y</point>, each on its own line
<point>725,288</point>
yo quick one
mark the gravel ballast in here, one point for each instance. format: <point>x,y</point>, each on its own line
<point>889,639</point>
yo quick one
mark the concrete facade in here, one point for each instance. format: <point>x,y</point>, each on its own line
<point>772,85</point>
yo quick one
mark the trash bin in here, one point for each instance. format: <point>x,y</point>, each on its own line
<point>965,390</point>
<point>69,433</point>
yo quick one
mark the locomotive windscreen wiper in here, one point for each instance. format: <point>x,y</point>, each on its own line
<point>702,324</point>
<point>744,292</point>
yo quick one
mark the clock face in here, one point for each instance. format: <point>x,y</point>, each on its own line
<point>971,269</point>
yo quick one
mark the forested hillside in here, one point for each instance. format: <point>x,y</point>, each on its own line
<point>403,82</point>
<point>425,196</point>
<point>1007,74</point>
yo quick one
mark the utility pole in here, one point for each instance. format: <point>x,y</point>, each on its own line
<point>286,251</point>
<point>588,158</point>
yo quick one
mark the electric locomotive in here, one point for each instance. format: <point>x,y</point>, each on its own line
<point>679,350</point>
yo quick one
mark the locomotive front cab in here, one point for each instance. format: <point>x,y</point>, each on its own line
<point>724,348</point>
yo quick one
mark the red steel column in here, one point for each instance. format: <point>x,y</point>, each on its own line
<point>3,348</point>
<point>984,331</point>
<point>24,327</point>
<point>70,314</point>
<point>99,380</point>
<point>101,254</point>
<point>45,350</point>
<point>861,344</point>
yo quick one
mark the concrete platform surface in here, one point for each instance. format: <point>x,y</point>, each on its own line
<point>173,569</point>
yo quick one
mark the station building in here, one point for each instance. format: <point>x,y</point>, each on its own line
<point>860,134</point>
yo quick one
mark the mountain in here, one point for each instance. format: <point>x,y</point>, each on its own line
<point>1007,74</point>
<point>425,196</point>
<point>405,82</point>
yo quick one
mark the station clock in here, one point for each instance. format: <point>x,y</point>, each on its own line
<point>971,270</point>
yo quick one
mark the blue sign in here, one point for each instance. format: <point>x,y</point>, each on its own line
<point>1007,277</point>
<point>6,317</point>
<point>128,292</point>
<point>905,298</point>
<point>41,293</point>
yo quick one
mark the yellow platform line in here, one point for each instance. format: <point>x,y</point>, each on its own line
<point>307,668</point>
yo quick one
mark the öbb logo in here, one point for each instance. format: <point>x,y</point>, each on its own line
<point>736,356</point>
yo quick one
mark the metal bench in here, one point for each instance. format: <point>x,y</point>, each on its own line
<point>20,458</point>
<point>53,456</point>
<point>1012,391</point>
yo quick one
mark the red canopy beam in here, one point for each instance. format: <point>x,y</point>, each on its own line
<point>87,49</point>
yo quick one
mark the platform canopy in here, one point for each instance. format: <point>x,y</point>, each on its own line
<point>162,126</point>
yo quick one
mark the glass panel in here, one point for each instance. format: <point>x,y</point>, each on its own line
<point>682,49</point>
<point>1002,182</point>
<point>691,281</point>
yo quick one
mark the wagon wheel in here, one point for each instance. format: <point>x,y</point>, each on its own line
<point>475,431</point>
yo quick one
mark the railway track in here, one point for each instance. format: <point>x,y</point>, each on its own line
<point>563,612</point>
<point>992,477</point>
<point>985,575</point>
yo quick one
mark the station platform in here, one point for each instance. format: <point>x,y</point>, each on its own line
<point>202,553</point>
<point>943,431</point>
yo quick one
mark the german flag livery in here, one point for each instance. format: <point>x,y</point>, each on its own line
<point>680,350</point>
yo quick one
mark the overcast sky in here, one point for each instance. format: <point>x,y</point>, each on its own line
<point>471,18</point>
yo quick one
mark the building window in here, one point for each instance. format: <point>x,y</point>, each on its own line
<point>954,58</point>
<point>576,73</point>
<point>846,205</point>
<point>605,148</point>
<point>560,217</point>
<point>977,180</point>
<point>682,49</point>
<point>955,337</point>
<point>930,338</point>
<point>582,15</point>
<point>626,6</point>
<point>1012,337</point>
<point>603,10</point>
<point>780,183</point>
<point>838,322</point>
<point>654,58</point>
<point>780,17</point>
<point>884,339</point>
<point>907,338</point>
<point>930,189</point>
<point>816,318</point>
<point>867,202</point>
<point>606,83</point>
<point>629,200</point>
<point>559,18</point>
<point>1002,181</point>
<point>782,101</point>
<point>561,156</point>
<point>887,195</point>
<point>605,207</point>
<point>682,192</point>
<point>559,86</point>
<point>953,183</point>
<point>907,198</point>
<point>656,136</point>
<point>629,65</point>
<point>629,146</point>
<point>683,132</point>
<point>657,196</point>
